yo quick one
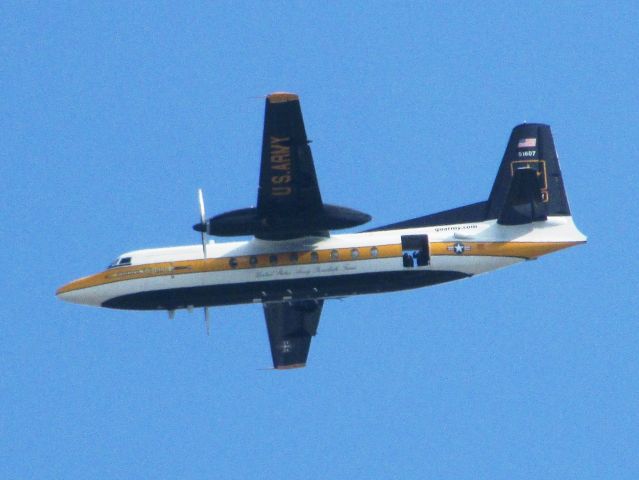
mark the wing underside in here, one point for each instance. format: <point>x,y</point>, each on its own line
<point>288,194</point>
<point>289,203</point>
<point>290,327</point>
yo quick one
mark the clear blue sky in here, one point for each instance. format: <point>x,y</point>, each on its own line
<point>113,114</point>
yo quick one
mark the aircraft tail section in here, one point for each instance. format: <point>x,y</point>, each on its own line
<point>529,186</point>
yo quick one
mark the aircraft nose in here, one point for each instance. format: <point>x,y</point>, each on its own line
<point>72,296</point>
<point>75,292</point>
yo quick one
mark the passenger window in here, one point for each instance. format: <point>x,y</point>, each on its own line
<point>293,257</point>
<point>354,253</point>
<point>253,260</point>
<point>272,259</point>
<point>314,257</point>
<point>233,262</point>
<point>334,255</point>
<point>374,252</point>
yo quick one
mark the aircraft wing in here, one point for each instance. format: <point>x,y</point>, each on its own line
<point>290,327</point>
<point>289,204</point>
<point>288,195</point>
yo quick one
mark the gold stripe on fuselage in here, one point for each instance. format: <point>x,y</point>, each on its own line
<point>525,250</point>
<point>284,259</point>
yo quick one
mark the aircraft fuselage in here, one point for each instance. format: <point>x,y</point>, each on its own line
<point>260,271</point>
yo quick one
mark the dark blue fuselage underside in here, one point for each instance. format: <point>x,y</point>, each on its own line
<point>282,290</point>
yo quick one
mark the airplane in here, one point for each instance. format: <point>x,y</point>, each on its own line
<point>294,262</point>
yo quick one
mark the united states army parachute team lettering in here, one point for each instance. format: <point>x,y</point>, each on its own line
<point>293,262</point>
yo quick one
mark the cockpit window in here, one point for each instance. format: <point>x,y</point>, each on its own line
<point>120,262</point>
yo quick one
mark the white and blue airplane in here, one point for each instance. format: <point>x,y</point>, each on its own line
<point>294,262</point>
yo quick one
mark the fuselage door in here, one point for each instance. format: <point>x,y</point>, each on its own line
<point>415,251</point>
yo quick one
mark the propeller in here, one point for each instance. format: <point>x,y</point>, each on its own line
<point>202,227</point>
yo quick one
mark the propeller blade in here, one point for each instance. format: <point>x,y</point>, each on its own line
<point>203,222</point>
<point>207,320</point>
<point>202,211</point>
<point>204,244</point>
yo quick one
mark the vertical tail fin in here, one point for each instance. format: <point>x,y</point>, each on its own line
<point>528,186</point>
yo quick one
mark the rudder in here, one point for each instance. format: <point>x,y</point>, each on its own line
<point>529,178</point>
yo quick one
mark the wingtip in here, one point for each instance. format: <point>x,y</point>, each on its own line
<point>290,367</point>
<point>282,97</point>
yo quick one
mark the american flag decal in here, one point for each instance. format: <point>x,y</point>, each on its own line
<point>527,143</point>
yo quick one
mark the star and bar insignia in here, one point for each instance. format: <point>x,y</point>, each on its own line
<point>459,248</point>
